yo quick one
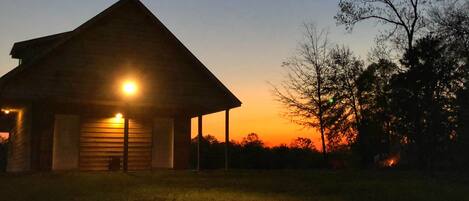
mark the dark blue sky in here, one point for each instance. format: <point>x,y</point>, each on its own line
<point>243,42</point>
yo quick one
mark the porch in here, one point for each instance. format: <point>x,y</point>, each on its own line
<point>44,138</point>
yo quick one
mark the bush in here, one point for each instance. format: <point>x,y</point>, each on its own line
<point>251,153</point>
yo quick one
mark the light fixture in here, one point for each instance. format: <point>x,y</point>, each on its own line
<point>6,111</point>
<point>119,116</point>
<point>129,88</point>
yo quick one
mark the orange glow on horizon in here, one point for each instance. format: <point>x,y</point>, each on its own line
<point>259,114</point>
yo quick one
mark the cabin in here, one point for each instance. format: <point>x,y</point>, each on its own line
<point>116,93</point>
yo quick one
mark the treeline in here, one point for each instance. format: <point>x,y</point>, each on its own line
<point>411,98</point>
<point>251,153</point>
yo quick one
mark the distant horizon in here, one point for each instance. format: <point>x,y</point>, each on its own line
<point>243,43</point>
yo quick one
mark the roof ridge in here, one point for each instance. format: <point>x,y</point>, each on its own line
<point>19,44</point>
<point>43,37</point>
<point>178,42</point>
<point>23,66</point>
<point>5,78</point>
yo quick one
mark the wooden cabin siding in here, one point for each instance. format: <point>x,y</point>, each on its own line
<point>102,139</point>
<point>182,142</point>
<point>82,73</point>
<point>91,65</point>
<point>66,145</point>
<point>19,152</point>
<point>27,50</point>
<point>163,140</point>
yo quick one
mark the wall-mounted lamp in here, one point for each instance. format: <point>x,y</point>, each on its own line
<point>119,116</point>
<point>129,88</point>
<point>7,111</point>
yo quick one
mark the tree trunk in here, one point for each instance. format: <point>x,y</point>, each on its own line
<point>321,121</point>
<point>324,152</point>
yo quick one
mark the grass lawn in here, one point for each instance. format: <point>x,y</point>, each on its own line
<point>235,185</point>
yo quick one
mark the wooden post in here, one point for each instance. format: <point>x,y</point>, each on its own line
<point>125,162</point>
<point>199,140</point>
<point>227,138</point>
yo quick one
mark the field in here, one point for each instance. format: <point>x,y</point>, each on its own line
<point>237,186</point>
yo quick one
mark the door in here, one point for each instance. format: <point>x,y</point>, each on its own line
<point>102,144</point>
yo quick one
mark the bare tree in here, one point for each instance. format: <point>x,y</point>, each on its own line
<point>404,18</point>
<point>303,143</point>
<point>450,21</point>
<point>307,89</point>
<point>347,71</point>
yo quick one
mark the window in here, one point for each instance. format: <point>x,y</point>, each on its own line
<point>4,137</point>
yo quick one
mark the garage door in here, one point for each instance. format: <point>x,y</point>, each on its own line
<point>102,144</point>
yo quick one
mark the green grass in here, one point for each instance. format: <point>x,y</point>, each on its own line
<point>236,185</point>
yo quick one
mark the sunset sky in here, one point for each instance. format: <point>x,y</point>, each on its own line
<point>243,42</point>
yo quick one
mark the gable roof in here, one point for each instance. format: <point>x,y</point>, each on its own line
<point>46,45</point>
<point>27,48</point>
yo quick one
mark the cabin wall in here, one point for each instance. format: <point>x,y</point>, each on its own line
<point>182,142</point>
<point>19,151</point>
<point>102,142</point>
<point>40,142</point>
<point>91,65</point>
<point>42,130</point>
<point>163,143</point>
<point>66,147</point>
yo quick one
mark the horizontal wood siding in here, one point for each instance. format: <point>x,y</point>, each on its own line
<point>102,139</point>
<point>92,64</point>
<point>19,153</point>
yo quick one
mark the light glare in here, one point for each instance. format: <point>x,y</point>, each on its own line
<point>129,88</point>
<point>119,116</point>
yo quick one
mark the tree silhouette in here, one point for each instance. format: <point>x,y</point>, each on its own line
<point>346,116</point>
<point>423,100</point>
<point>406,17</point>
<point>450,21</point>
<point>251,153</point>
<point>307,91</point>
<point>375,127</point>
<point>302,143</point>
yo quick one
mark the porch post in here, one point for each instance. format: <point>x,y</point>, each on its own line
<point>227,138</point>
<point>199,140</point>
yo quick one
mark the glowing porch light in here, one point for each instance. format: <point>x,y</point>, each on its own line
<point>6,111</point>
<point>119,116</point>
<point>129,88</point>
